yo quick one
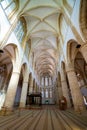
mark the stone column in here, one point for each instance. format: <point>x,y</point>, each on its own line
<point>56,91</point>
<point>24,90</point>
<point>65,88</point>
<point>48,81</point>
<point>75,90</point>
<point>23,94</point>
<point>37,88</point>
<point>11,92</point>
<point>83,50</point>
<point>60,93</point>
<point>6,81</point>
<point>34,86</point>
<point>52,80</point>
<point>44,93</point>
<point>44,81</point>
<point>40,80</point>
<point>31,85</point>
<point>48,92</point>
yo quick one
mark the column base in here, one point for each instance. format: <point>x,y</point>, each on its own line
<point>22,105</point>
<point>79,109</point>
<point>6,111</point>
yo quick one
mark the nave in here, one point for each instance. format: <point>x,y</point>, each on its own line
<point>43,60</point>
<point>48,117</point>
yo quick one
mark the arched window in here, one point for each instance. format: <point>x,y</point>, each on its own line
<point>50,93</point>
<point>46,93</point>
<point>20,30</point>
<point>42,93</point>
<point>9,6</point>
<point>46,81</point>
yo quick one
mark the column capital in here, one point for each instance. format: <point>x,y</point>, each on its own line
<point>72,70</point>
<point>69,68</point>
<point>16,72</point>
<point>16,67</point>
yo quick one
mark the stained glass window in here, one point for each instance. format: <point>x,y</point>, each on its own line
<point>46,93</point>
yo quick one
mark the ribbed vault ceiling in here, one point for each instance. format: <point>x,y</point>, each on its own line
<point>42,18</point>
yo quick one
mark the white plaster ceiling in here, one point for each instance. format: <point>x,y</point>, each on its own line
<point>42,18</point>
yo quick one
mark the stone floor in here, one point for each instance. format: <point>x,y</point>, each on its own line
<point>47,118</point>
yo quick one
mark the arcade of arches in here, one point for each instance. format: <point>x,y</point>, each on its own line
<point>43,50</point>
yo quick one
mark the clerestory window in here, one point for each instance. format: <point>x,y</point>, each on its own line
<point>19,31</point>
<point>9,6</point>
